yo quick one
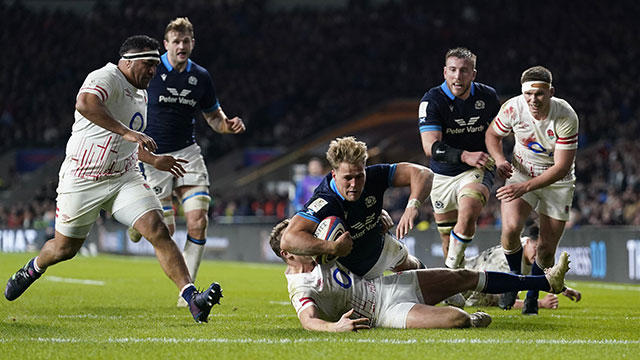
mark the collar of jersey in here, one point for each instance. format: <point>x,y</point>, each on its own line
<point>332,184</point>
<point>446,90</point>
<point>167,64</point>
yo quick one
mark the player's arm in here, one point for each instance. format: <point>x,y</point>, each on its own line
<point>420,180</point>
<point>162,162</point>
<point>91,107</point>
<point>493,141</point>
<point>439,151</point>
<point>563,160</point>
<point>310,321</point>
<point>298,239</point>
<point>221,124</point>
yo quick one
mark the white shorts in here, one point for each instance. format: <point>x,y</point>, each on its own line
<point>79,202</point>
<point>396,295</point>
<point>393,254</point>
<point>553,200</point>
<point>445,190</point>
<point>163,183</point>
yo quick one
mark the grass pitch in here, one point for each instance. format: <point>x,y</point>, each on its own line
<point>114,307</point>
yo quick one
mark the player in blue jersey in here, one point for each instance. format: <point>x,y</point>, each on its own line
<point>354,192</point>
<point>180,89</point>
<point>453,119</point>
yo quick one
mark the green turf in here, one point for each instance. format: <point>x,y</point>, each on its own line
<point>132,315</point>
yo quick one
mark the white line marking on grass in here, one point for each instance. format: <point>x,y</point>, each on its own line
<point>322,340</point>
<point>280,302</point>
<point>612,287</point>
<point>74,281</point>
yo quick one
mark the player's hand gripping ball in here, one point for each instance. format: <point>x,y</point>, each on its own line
<point>329,229</point>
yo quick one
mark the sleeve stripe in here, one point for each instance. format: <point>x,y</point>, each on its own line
<point>306,300</point>
<point>568,137</point>
<point>567,142</point>
<point>424,128</point>
<point>95,91</point>
<point>106,94</point>
<point>500,125</point>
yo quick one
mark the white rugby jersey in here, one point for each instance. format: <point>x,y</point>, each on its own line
<point>536,140</point>
<point>93,152</point>
<point>334,291</point>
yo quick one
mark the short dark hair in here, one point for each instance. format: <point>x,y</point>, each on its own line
<point>138,42</point>
<point>461,53</point>
<point>532,232</point>
<point>536,73</point>
<point>276,236</point>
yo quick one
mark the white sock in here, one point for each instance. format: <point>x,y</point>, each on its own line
<point>193,254</point>
<point>455,254</point>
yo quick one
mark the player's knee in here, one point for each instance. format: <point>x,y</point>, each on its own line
<point>445,226</point>
<point>156,230</point>
<point>198,223</point>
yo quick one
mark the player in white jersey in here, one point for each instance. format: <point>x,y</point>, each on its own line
<point>99,172</point>
<point>541,173</point>
<point>331,298</point>
<point>493,259</point>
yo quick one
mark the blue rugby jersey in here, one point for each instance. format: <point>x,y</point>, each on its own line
<point>463,123</point>
<point>174,99</point>
<point>362,217</point>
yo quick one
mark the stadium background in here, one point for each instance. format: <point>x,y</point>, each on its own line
<point>302,72</point>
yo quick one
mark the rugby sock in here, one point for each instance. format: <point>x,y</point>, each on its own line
<point>34,262</point>
<point>498,282</point>
<point>535,270</point>
<point>457,245</point>
<point>514,259</point>
<point>187,292</point>
<point>193,252</point>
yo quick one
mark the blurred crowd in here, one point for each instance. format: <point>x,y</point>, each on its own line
<point>292,71</point>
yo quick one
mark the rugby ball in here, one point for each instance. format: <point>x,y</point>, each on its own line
<point>329,229</point>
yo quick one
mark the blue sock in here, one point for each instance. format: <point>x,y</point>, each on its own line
<point>535,270</point>
<point>499,282</point>
<point>515,261</point>
<point>187,293</point>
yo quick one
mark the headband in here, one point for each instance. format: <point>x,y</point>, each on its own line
<point>535,85</point>
<point>144,55</point>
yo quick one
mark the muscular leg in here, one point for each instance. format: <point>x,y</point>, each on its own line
<point>446,222</point>
<point>436,317</point>
<point>58,249</point>
<point>470,203</point>
<point>545,254</point>
<point>195,201</point>
<point>151,226</point>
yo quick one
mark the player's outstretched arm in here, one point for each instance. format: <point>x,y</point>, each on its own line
<point>310,321</point>
<point>92,108</point>
<point>572,294</point>
<point>163,162</point>
<point>221,124</point>
<point>420,180</point>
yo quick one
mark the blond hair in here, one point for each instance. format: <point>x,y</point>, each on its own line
<point>347,149</point>
<point>181,25</point>
<point>276,236</point>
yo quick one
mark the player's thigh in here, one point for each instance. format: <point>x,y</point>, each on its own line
<point>396,295</point>
<point>446,190</point>
<point>134,198</point>
<point>78,206</point>
<point>441,283</point>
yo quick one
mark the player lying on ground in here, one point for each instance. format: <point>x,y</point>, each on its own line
<point>493,259</point>
<point>331,298</point>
